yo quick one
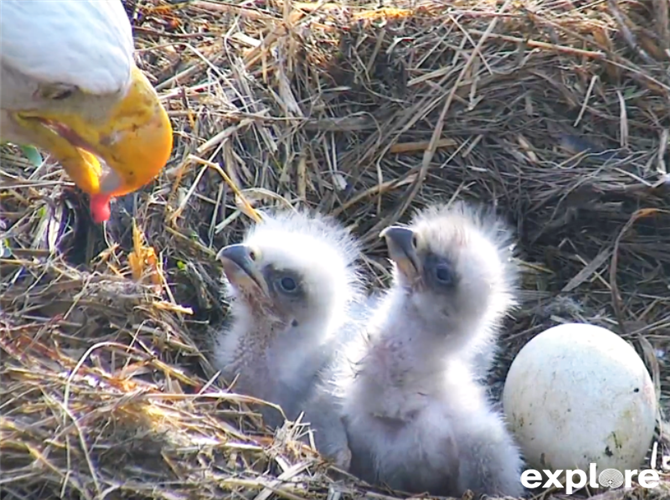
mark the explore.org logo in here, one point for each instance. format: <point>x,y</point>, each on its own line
<point>608,478</point>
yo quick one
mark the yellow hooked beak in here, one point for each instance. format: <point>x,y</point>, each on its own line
<point>135,141</point>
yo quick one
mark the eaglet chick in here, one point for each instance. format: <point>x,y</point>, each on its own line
<point>291,282</point>
<point>416,417</point>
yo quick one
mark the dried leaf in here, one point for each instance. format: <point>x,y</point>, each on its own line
<point>143,261</point>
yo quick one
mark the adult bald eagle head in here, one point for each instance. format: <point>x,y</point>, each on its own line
<point>69,85</point>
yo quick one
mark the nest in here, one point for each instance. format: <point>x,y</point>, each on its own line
<point>555,112</point>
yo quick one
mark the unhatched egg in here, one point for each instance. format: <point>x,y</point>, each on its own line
<point>578,394</point>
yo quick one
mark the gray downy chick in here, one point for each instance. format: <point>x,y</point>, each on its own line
<point>291,282</point>
<point>417,418</point>
<point>323,408</point>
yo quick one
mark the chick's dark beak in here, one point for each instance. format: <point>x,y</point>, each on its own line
<point>241,269</point>
<point>401,249</point>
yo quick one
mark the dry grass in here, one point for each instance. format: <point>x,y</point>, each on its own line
<point>557,112</point>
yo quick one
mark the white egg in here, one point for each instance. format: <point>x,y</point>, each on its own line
<point>578,394</point>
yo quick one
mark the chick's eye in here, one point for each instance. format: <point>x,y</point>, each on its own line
<point>288,284</point>
<point>443,274</point>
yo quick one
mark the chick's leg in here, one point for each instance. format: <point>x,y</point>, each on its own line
<point>491,463</point>
<point>323,412</point>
